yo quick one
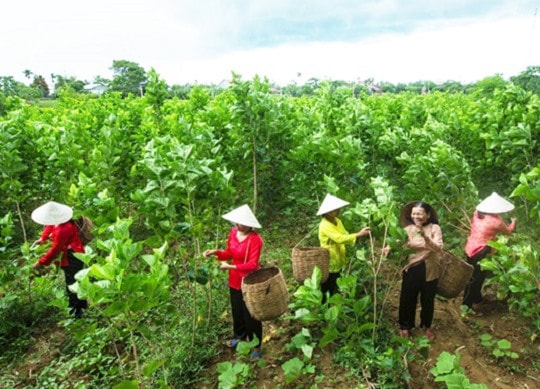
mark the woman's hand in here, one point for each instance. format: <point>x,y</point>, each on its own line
<point>38,268</point>
<point>37,242</point>
<point>363,232</point>
<point>226,266</point>
<point>420,230</point>
<point>385,251</point>
<point>210,252</point>
<point>403,270</point>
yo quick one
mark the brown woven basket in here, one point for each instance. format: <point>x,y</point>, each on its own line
<point>265,293</point>
<point>304,260</point>
<point>455,275</point>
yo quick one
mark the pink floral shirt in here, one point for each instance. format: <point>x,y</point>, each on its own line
<point>485,229</point>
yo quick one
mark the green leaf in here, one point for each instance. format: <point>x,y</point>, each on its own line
<point>224,366</point>
<point>445,363</point>
<point>331,315</point>
<point>307,350</point>
<point>292,369</point>
<point>485,337</point>
<point>102,272</point>
<point>127,385</point>
<point>504,344</point>
<point>115,308</point>
<point>152,366</point>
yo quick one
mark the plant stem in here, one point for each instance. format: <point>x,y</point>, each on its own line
<point>254,175</point>
<point>21,219</point>
<point>135,356</point>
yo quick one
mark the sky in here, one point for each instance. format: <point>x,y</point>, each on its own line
<point>286,41</point>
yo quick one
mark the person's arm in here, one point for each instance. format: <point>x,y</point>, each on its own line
<point>59,241</point>
<point>432,241</point>
<point>47,231</point>
<point>46,234</point>
<point>330,231</point>
<point>507,229</point>
<point>222,255</point>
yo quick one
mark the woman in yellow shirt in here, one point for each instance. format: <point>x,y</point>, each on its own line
<point>334,237</point>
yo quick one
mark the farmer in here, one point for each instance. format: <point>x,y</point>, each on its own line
<point>485,225</point>
<point>334,237</point>
<point>244,247</point>
<point>421,273</point>
<point>64,235</point>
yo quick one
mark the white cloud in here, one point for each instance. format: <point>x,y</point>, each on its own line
<point>204,41</point>
<point>463,53</point>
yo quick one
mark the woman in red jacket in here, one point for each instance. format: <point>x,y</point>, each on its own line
<point>485,226</point>
<point>64,235</point>
<point>244,247</point>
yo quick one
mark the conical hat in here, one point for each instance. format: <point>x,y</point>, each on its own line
<point>495,204</point>
<point>242,215</point>
<point>52,213</point>
<point>331,203</point>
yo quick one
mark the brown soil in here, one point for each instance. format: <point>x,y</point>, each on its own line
<point>454,332</point>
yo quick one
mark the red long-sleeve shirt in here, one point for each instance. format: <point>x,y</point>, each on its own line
<point>46,234</point>
<point>64,237</point>
<point>485,229</point>
<point>244,255</point>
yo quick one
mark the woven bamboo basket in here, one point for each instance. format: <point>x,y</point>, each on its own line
<point>455,275</point>
<point>265,293</point>
<point>304,260</point>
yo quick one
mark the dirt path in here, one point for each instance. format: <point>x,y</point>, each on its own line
<point>454,333</point>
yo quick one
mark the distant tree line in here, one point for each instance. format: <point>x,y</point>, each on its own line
<point>130,78</point>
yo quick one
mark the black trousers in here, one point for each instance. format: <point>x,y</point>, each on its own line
<point>473,290</point>
<point>413,284</point>
<point>76,305</point>
<point>330,285</point>
<point>244,326</point>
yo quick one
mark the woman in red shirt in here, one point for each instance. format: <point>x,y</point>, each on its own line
<point>485,226</point>
<point>244,247</point>
<point>64,235</point>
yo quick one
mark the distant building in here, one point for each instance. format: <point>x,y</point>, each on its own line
<point>96,89</point>
<point>224,84</point>
<point>374,89</point>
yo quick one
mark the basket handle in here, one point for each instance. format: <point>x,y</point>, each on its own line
<point>308,234</point>
<point>247,249</point>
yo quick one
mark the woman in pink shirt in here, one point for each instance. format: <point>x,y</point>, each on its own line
<point>243,250</point>
<point>485,226</point>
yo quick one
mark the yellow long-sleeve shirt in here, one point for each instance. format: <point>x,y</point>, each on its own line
<point>334,237</point>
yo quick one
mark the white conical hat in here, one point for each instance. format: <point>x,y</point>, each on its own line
<point>331,203</point>
<point>495,204</point>
<point>52,213</point>
<point>242,215</point>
